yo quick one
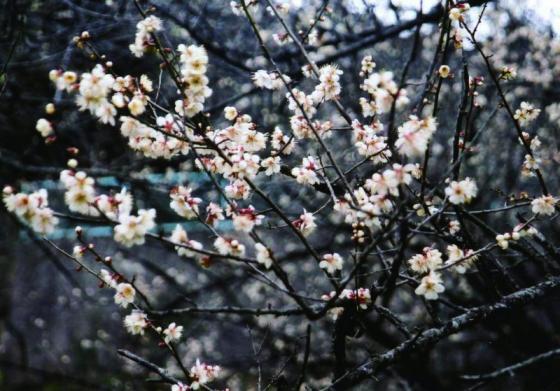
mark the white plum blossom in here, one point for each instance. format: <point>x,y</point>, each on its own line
<point>526,113</point>
<point>271,165</point>
<point>245,219</point>
<point>183,203</point>
<point>263,255</point>
<point>115,205</point>
<point>414,135</point>
<point>173,333</point>
<point>194,63</point>
<point>203,374</point>
<point>461,192</point>
<point>180,386</point>
<point>382,89</point>
<point>544,205</point>
<point>367,65</point>
<point>270,81</point>
<point>429,259</point>
<point>109,278</point>
<point>307,173</point>
<point>125,294</point>
<point>228,246</point>
<point>185,247</point>
<point>131,229</point>
<point>44,127</point>
<point>214,214</point>
<point>137,104</point>
<point>461,260</point>
<point>144,29</point>
<point>430,286</point>
<point>32,209</point>
<point>362,296</point>
<point>305,223</point>
<point>230,113</point>
<point>281,142</point>
<point>63,80</point>
<point>456,13</point>
<point>331,262</point>
<point>329,84</point>
<point>136,323</point>
<point>80,193</point>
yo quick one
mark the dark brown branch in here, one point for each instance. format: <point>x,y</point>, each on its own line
<point>452,326</point>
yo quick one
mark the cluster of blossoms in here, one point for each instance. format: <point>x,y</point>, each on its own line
<point>80,193</point>
<point>414,136</point>
<point>245,219</point>
<point>228,246</point>
<point>301,128</point>
<point>461,192</point>
<point>237,159</point>
<point>532,161</point>
<point>382,90</point>
<point>183,203</point>
<point>185,247</point>
<point>526,113</point>
<point>362,296</point>
<point>80,197</point>
<point>307,173</point>
<point>304,106</point>
<point>201,374</point>
<point>102,95</point>
<point>113,206</point>
<point>369,142</point>
<point>329,84</point>
<point>93,91</point>
<point>270,81</point>
<point>137,321</point>
<point>460,260</point>
<point>305,223</point>
<point>456,13</point>
<point>157,142</point>
<point>530,165</point>
<point>33,209</point>
<point>237,153</point>
<point>131,230</point>
<point>193,66</point>
<point>143,39</point>
<point>429,260</point>
<point>373,199</point>
<point>214,214</point>
<point>429,263</point>
<point>519,231</point>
